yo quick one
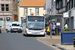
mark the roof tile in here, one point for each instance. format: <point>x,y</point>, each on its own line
<point>33,3</point>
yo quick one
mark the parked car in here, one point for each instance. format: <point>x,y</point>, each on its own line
<point>14,27</point>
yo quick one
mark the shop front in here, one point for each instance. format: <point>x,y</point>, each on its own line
<point>4,20</point>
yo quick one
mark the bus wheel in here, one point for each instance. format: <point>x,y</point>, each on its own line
<point>24,35</point>
<point>43,35</point>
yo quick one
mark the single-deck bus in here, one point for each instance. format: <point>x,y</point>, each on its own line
<point>35,25</point>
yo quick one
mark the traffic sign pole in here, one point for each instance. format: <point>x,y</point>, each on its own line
<point>50,30</point>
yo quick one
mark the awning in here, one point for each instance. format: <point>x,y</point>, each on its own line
<point>55,16</point>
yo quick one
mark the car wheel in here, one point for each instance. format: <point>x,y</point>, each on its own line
<point>20,32</point>
<point>7,31</point>
<point>11,32</point>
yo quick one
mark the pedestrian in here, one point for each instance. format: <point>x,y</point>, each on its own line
<point>50,25</point>
<point>65,26</point>
<point>54,26</point>
<point>45,30</point>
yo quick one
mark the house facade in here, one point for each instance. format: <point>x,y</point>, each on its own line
<point>7,10</point>
<point>30,7</point>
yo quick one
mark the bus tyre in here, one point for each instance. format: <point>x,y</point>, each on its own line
<point>43,35</point>
<point>24,35</point>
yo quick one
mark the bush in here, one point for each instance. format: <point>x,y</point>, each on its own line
<point>74,38</point>
<point>67,30</point>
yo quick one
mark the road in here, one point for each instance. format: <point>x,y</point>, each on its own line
<point>16,41</point>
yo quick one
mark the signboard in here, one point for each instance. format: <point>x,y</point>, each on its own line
<point>5,13</point>
<point>66,14</point>
<point>4,1</point>
<point>35,18</point>
<point>58,24</point>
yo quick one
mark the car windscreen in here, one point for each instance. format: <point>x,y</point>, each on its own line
<point>15,24</point>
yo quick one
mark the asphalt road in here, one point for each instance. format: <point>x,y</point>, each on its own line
<point>16,41</point>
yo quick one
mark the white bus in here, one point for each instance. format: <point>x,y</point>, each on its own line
<point>35,25</point>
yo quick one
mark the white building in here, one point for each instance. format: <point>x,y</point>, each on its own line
<point>30,7</point>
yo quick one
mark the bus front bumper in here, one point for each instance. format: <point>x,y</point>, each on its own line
<point>36,33</point>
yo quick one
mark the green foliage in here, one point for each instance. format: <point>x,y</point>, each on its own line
<point>74,38</point>
<point>67,30</point>
<point>15,18</point>
<point>64,23</point>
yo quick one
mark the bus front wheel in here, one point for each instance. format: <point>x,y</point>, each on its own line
<point>43,35</point>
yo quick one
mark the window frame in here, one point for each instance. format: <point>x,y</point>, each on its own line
<point>2,7</point>
<point>36,13</point>
<point>26,11</point>
<point>7,7</point>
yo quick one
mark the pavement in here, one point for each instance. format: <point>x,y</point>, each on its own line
<point>56,42</point>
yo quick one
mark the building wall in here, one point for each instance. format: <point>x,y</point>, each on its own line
<point>21,12</point>
<point>48,3</point>
<point>67,6</point>
<point>41,11</point>
<point>32,10</point>
<point>10,13</point>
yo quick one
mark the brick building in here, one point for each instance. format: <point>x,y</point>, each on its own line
<point>8,8</point>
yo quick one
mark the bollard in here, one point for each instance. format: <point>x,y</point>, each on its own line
<point>74,41</point>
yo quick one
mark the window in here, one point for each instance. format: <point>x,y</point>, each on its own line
<point>36,11</point>
<point>64,3</point>
<point>2,7</point>
<point>1,19</point>
<point>25,11</point>
<point>74,3</point>
<point>70,4</point>
<point>8,18</point>
<point>57,6</point>
<point>7,7</point>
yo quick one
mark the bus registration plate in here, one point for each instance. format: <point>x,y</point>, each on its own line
<point>35,33</point>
